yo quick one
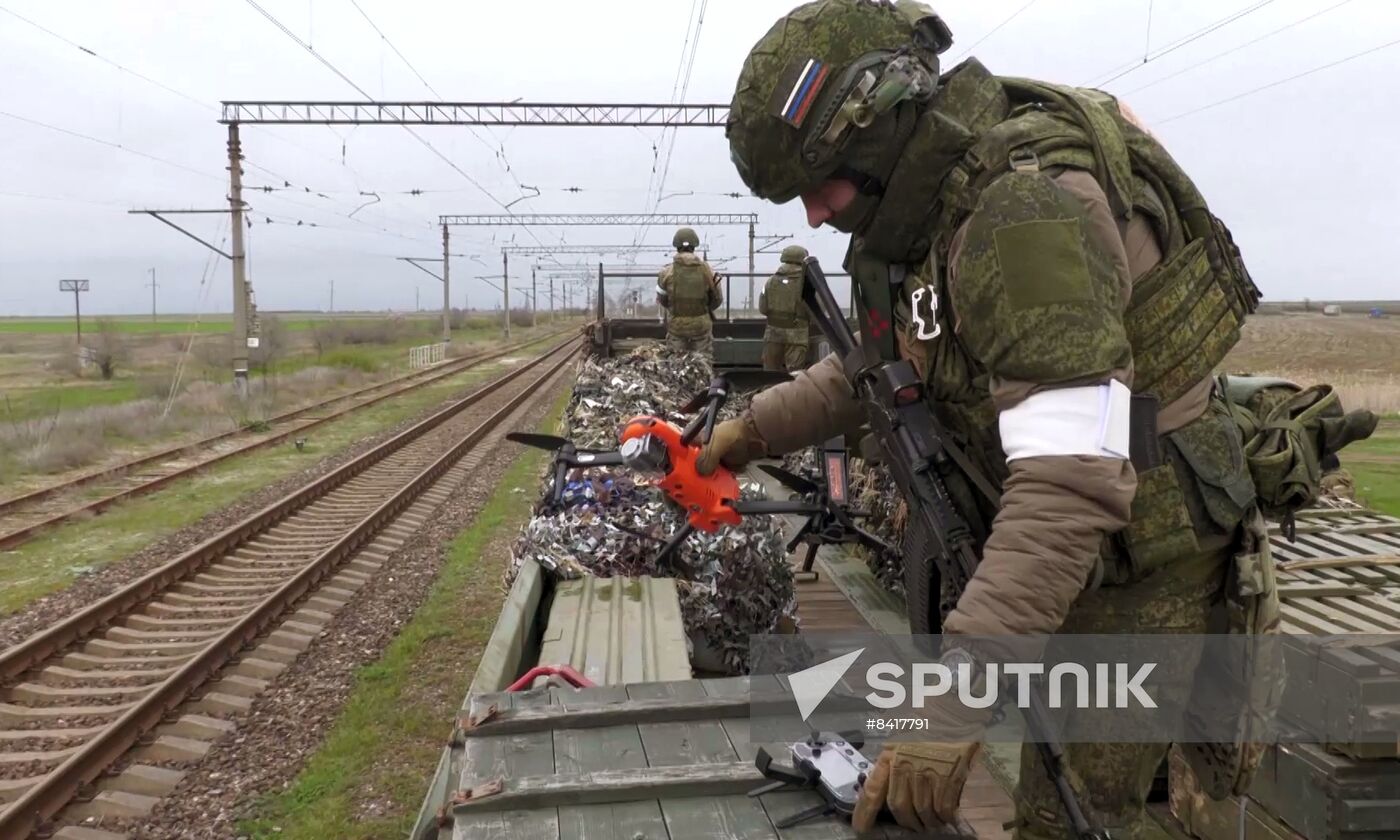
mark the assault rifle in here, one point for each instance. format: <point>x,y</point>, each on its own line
<point>919,455</point>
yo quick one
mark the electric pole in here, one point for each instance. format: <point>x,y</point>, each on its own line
<point>446,294</point>
<point>534,298</point>
<point>551,298</point>
<point>332,310</point>
<point>417,306</point>
<point>505,287</point>
<point>240,267</point>
<point>75,286</point>
<point>153,284</point>
<point>749,304</point>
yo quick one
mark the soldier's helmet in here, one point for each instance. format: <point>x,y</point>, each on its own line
<point>794,254</point>
<point>685,240</point>
<point>817,95</point>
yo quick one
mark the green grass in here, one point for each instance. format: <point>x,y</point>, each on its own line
<point>172,324</point>
<point>1375,465</point>
<point>388,737</point>
<point>1378,486</point>
<point>216,323</point>
<point>51,562</point>
<point>24,403</point>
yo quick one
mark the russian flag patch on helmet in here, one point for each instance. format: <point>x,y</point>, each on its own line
<point>797,91</point>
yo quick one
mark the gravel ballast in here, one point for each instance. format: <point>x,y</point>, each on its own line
<point>288,721</point>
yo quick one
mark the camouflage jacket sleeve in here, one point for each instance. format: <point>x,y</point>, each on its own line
<point>1038,282</point>
<point>663,286</point>
<point>716,294</point>
<point>816,405</point>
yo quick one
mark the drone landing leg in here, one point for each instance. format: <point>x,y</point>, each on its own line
<point>808,560</point>
<point>674,543</point>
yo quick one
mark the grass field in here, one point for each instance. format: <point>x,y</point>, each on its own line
<point>56,417</point>
<point>1357,355</point>
<point>1375,464</point>
<point>1360,356</point>
<point>178,324</point>
<point>51,561</point>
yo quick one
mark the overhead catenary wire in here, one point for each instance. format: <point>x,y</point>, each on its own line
<point>1251,42</point>
<point>678,94</point>
<point>498,149</point>
<point>173,91</point>
<point>1147,36</point>
<point>122,147</point>
<point>1132,67</point>
<point>1329,65</point>
<point>329,65</point>
<point>994,30</point>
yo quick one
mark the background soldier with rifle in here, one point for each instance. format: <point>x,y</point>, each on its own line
<point>688,289</point>
<point>785,337</point>
<point>1043,299</point>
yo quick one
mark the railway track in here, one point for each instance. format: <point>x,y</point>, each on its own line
<point>24,517</point>
<point>162,664</point>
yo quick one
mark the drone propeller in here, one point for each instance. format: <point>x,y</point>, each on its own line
<point>550,443</point>
<point>791,481</point>
<point>745,380</point>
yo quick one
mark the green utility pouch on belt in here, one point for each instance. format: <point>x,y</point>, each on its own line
<point>1193,496</point>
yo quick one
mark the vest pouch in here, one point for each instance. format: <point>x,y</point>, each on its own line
<point>1160,529</point>
<point>1234,277</point>
<point>1180,323</point>
<point>1213,453</point>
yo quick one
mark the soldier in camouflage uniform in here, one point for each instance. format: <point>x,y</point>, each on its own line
<point>785,338</point>
<point>689,291</point>
<point>1049,270</point>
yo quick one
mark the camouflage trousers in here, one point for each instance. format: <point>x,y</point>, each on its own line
<point>780,356</point>
<point>1112,780</point>
<point>684,343</point>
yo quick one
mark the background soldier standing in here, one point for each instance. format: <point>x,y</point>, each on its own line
<point>689,291</point>
<point>785,339</point>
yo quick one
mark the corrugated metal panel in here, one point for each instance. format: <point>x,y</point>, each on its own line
<point>617,630</point>
<point>709,755</point>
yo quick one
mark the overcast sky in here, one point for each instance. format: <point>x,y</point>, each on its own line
<point>1304,172</point>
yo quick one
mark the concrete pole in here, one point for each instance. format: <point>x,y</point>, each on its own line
<point>749,304</point>
<point>240,277</point>
<point>505,287</point>
<point>534,298</point>
<point>152,284</point>
<point>78,318</point>
<point>446,294</point>
<point>551,298</point>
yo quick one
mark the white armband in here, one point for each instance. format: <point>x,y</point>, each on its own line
<point>1091,420</point>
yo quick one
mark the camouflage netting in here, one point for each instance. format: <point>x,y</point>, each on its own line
<point>648,380</point>
<point>732,583</point>
<point>872,490</point>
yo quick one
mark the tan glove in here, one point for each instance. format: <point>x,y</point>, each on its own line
<point>919,782</point>
<point>734,443</point>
